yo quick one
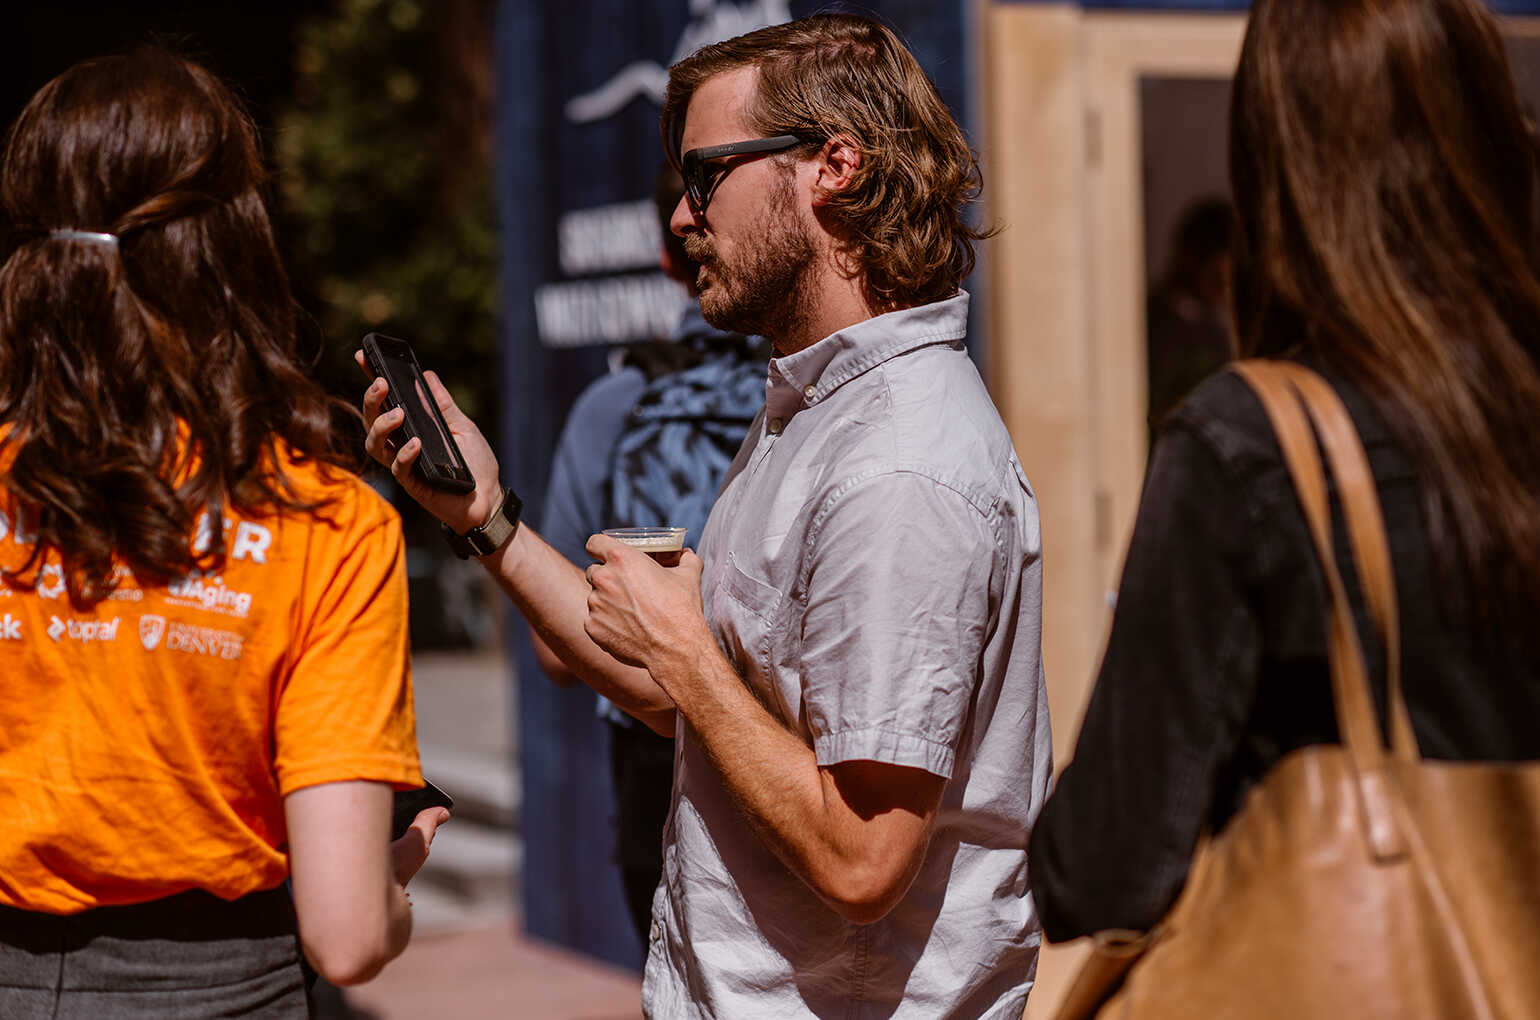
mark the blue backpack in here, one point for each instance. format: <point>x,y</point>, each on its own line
<point>685,430</point>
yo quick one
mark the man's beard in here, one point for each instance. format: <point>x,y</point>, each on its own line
<point>760,291</point>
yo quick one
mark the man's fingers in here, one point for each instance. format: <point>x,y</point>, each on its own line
<point>375,445</point>
<point>363,363</point>
<point>602,547</point>
<point>374,399</point>
<point>446,403</point>
<point>377,439</point>
<point>401,467</point>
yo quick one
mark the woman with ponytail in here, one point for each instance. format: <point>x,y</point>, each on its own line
<point>202,608</point>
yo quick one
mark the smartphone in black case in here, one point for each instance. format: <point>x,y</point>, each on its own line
<point>439,463</point>
<point>408,803</point>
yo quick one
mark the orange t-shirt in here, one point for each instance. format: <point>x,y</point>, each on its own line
<point>146,743</point>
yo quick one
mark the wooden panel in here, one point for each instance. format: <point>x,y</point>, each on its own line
<point>1067,287</point>
<point>1040,369</point>
<point>1120,49</point>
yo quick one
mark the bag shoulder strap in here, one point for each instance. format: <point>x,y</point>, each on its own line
<point>1366,527</point>
<point>1349,676</point>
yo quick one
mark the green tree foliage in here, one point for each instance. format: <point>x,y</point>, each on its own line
<point>385,180</point>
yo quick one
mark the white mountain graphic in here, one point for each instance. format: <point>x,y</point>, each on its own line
<point>709,22</point>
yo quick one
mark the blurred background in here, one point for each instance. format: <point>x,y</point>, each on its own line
<point>474,176</point>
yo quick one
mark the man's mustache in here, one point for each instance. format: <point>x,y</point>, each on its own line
<point>699,249</point>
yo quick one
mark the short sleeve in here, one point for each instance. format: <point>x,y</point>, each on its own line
<point>345,710</point>
<point>898,603</point>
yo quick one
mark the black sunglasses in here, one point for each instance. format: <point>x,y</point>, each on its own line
<point>702,171</point>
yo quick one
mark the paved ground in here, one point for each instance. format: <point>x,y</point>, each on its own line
<point>495,973</point>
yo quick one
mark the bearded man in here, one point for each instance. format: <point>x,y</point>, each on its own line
<point>851,665</point>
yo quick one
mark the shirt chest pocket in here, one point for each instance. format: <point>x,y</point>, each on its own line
<point>747,615</point>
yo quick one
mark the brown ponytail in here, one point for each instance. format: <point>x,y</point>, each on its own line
<point>146,383</point>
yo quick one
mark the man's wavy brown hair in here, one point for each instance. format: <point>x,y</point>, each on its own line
<point>842,74</point>
<point>146,383</point>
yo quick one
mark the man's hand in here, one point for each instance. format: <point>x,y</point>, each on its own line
<point>410,852</point>
<point>461,512</point>
<point>640,611</point>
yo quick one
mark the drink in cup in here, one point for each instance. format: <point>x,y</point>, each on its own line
<point>662,544</point>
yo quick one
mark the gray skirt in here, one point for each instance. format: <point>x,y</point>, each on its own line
<point>187,957</point>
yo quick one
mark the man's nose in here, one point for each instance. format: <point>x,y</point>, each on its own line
<point>684,218</point>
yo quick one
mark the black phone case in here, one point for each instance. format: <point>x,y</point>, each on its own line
<point>432,473</point>
<point>406,805</point>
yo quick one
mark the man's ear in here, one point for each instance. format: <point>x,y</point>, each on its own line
<point>835,168</point>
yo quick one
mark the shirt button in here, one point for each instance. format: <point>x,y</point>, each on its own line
<point>775,426</point>
<point>809,391</point>
<point>657,931</point>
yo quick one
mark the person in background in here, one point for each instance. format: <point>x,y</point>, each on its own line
<point>1188,317</point>
<point>851,667</point>
<point>1387,184</point>
<point>649,444</point>
<point>202,608</point>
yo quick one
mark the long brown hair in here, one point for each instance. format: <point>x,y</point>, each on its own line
<point>148,381</point>
<point>1386,181</point>
<point>836,74</point>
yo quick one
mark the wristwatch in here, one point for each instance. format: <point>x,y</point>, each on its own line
<point>491,536</point>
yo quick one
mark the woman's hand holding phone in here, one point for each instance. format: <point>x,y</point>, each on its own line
<point>461,511</point>
<point>410,852</point>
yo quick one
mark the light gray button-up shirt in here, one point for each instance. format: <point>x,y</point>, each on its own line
<point>873,571</point>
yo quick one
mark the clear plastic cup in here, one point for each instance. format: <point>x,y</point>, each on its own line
<point>658,542</point>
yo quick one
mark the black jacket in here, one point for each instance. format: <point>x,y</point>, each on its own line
<point>1216,665</point>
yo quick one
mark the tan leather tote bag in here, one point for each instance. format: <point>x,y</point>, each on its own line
<point>1357,881</point>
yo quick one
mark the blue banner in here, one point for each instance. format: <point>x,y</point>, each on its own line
<point>579,90</point>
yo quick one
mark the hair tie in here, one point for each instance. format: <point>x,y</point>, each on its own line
<point>85,236</point>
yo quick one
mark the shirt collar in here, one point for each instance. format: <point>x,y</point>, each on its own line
<point>802,379</point>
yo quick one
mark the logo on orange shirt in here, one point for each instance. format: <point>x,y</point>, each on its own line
<point>208,591</point>
<point>251,541</point>
<point>194,640</point>
<point>123,577</point>
<point>50,581</point>
<point>10,628</point>
<point>84,631</point>
<point>151,629</point>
